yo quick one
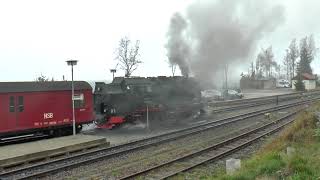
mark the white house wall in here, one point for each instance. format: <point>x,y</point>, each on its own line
<point>309,84</point>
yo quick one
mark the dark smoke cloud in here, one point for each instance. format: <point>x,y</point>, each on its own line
<point>215,33</point>
<point>178,49</point>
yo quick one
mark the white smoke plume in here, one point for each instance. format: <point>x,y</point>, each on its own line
<point>214,33</point>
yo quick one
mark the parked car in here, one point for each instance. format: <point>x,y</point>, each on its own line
<point>282,83</point>
<point>212,94</point>
<point>232,94</point>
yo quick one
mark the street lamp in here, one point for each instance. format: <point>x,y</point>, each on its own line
<point>147,101</point>
<point>113,71</point>
<point>73,63</point>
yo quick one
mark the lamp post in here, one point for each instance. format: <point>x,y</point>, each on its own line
<point>72,63</point>
<point>147,102</point>
<point>226,75</point>
<point>148,117</point>
<point>113,71</point>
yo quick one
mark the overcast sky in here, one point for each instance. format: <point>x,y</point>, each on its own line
<point>38,36</point>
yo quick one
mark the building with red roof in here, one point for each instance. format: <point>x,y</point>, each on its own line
<point>309,81</point>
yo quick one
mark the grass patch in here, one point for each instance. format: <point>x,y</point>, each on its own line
<point>254,168</point>
<point>271,161</point>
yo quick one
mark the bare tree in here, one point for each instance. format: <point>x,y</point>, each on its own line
<point>287,64</point>
<point>293,54</point>
<point>173,66</point>
<point>278,70</point>
<point>266,59</point>
<point>258,67</point>
<point>252,70</point>
<point>42,78</point>
<point>128,55</point>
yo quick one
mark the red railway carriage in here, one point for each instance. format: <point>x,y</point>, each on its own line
<point>43,107</point>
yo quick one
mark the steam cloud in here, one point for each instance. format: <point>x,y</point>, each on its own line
<point>215,33</point>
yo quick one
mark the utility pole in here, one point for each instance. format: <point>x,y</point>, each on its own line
<point>148,117</point>
<point>252,69</point>
<point>226,75</point>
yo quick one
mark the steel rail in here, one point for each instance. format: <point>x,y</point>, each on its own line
<point>219,156</point>
<point>214,147</point>
<point>259,99</point>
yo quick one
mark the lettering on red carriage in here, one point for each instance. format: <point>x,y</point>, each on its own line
<point>47,115</point>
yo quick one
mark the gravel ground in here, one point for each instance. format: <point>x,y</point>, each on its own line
<point>190,161</point>
<point>211,168</point>
<point>141,159</point>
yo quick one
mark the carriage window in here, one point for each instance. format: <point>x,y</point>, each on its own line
<point>20,103</point>
<point>79,101</point>
<point>11,104</point>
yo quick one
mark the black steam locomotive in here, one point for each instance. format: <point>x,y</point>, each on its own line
<point>130,99</point>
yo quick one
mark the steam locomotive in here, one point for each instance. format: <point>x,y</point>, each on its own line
<point>130,99</point>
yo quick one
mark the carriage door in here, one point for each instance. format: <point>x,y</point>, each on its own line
<point>21,117</point>
<point>16,108</point>
<point>12,116</point>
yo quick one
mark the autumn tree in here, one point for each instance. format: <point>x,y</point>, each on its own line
<point>128,55</point>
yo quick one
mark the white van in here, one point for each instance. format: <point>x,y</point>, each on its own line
<point>283,83</point>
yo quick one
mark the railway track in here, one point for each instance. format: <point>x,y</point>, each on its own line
<point>57,165</point>
<point>272,98</point>
<point>239,107</point>
<point>210,153</point>
<point>254,102</point>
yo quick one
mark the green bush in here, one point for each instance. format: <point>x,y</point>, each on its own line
<point>317,132</point>
<point>299,85</point>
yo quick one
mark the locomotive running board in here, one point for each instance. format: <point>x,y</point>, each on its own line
<point>16,137</point>
<point>8,140</point>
